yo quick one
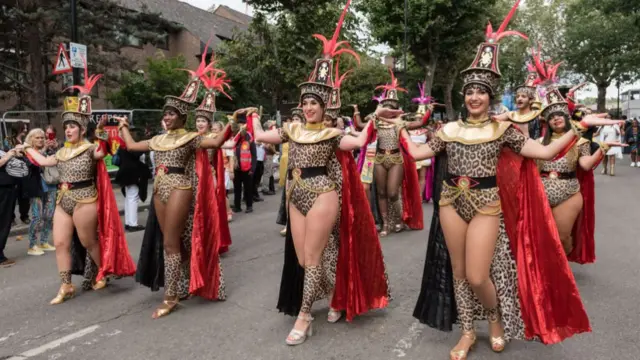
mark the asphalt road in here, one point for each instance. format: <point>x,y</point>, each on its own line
<point>116,323</point>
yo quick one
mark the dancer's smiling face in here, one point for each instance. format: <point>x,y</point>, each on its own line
<point>202,125</point>
<point>172,119</point>
<point>313,109</point>
<point>477,101</point>
<point>557,122</point>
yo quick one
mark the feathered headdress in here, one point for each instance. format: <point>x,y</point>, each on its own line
<point>546,71</point>
<point>380,97</point>
<point>83,114</point>
<point>183,102</point>
<point>484,69</point>
<point>215,81</point>
<point>554,101</point>
<point>335,103</point>
<point>423,99</point>
<point>321,81</point>
<point>391,91</point>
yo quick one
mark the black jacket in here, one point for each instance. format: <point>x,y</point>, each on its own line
<point>32,183</point>
<point>133,172</point>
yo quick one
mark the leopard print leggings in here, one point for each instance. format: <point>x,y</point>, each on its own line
<point>90,273</point>
<point>505,278</point>
<point>65,277</point>
<point>315,287</point>
<point>172,274</point>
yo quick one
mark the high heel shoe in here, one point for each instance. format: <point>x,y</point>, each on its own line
<point>167,307</point>
<point>100,284</point>
<point>66,292</point>
<point>297,337</point>
<point>498,343</point>
<point>334,316</point>
<point>462,354</point>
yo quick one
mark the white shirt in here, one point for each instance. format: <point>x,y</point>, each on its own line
<point>260,153</point>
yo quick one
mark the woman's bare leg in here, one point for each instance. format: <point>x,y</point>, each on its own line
<point>298,230</point>
<point>455,231</point>
<point>319,223</point>
<point>85,219</point>
<point>422,178</point>
<point>565,215</point>
<point>62,237</point>
<point>605,165</point>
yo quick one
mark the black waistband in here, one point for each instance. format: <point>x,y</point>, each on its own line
<point>169,170</point>
<point>309,172</point>
<point>471,182</point>
<point>558,175</point>
<point>387,151</point>
<point>75,185</point>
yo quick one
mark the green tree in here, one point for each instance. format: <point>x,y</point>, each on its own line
<point>602,45</point>
<point>30,31</point>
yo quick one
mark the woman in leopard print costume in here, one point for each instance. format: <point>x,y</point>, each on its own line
<point>87,232</point>
<point>393,171</point>
<point>186,245</point>
<point>329,224</point>
<point>475,214</point>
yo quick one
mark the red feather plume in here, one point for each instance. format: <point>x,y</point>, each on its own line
<point>89,81</point>
<point>501,33</point>
<point>393,85</point>
<point>340,78</point>
<point>545,69</point>
<point>216,79</point>
<point>203,68</point>
<point>332,48</point>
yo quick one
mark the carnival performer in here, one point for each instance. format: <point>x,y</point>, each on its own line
<point>394,171</point>
<point>481,212</point>
<point>296,117</point>
<point>87,232</point>
<point>331,247</point>
<point>180,248</point>
<point>204,124</point>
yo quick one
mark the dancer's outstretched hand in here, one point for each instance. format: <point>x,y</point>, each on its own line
<point>386,113</point>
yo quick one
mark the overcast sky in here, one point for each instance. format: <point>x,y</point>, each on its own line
<point>590,91</point>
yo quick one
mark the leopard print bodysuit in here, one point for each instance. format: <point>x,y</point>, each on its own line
<point>478,160</point>
<point>177,158</point>
<point>184,158</point>
<point>481,160</point>
<point>79,168</point>
<point>559,190</point>
<point>387,142</point>
<point>302,194</point>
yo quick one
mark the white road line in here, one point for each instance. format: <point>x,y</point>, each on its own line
<point>406,343</point>
<point>5,338</point>
<point>54,344</point>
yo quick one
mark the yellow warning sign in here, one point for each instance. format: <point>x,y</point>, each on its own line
<point>71,103</point>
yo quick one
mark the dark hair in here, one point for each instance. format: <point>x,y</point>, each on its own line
<point>53,129</point>
<point>314,96</point>
<point>547,135</point>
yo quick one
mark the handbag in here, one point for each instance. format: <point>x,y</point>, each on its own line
<point>17,168</point>
<point>50,175</point>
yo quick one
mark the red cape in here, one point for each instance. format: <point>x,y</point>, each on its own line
<point>361,283</point>
<point>584,244</point>
<point>549,298</point>
<point>114,252</point>
<point>221,198</point>
<point>411,198</point>
<point>205,239</point>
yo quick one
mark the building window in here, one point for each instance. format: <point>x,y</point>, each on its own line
<point>128,40</point>
<point>163,41</point>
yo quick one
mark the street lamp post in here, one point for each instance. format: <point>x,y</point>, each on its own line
<point>404,67</point>
<point>74,38</point>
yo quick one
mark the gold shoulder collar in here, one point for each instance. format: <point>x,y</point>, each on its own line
<point>472,134</point>
<point>582,141</point>
<point>518,118</point>
<point>69,152</point>
<point>299,133</point>
<point>171,140</point>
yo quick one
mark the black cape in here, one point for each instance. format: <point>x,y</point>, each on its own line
<point>150,271</point>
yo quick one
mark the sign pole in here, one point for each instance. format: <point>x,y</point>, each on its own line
<point>74,38</point>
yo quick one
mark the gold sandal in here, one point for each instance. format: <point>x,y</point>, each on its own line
<point>66,292</point>
<point>462,354</point>
<point>166,308</point>
<point>498,343</point>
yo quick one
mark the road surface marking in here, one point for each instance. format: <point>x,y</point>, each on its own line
<point>406,342</point>
<point>54,344</point>
<point>5,338</point>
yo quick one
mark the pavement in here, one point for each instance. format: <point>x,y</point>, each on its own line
<point>116,323</point>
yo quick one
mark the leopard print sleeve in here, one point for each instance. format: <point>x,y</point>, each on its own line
<point>585,149</point>
<point>194,144</point>
<point>436,144</point>
<point>514,139</point>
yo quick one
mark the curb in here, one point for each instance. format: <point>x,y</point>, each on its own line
<point>24,229</point>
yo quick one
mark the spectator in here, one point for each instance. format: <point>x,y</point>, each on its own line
<point>261,154</point>
<point>42,198</point>
<point>611,133</point>
<point>632,137</point>
<point>7,204</point>
<point>268,185</point>
<point>18,132</point>
<point>245,167</point>
<point>133,176</point>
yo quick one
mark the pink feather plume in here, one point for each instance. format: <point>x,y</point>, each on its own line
<point>393,85</point>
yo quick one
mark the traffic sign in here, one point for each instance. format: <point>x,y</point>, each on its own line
<point>62,64</point>
<point>78,53</point>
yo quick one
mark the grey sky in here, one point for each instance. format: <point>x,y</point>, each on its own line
<point>239,5</point>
